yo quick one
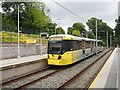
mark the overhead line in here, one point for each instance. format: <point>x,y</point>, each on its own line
<point>69,10</point>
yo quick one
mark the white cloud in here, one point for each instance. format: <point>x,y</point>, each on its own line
<point>107,11</point>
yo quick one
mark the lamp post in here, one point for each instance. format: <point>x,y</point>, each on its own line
<point>110,40</point>
<point>18,35</point>
<point>107,39</point>
<point>40,43</point>
<point>96,39</point>
<point>55,28</point>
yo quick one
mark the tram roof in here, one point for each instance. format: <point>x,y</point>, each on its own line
<point>73,37</point>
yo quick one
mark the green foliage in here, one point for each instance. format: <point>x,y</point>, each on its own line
<point>52,27</point>
<point>117,31</point>
<point>70,29</point>
<point>77,29</point>
<point>0,21</point>
<point>8,24</point>
<point>90,35</point>
<point>102,28</point>
<point>76,33</point>
<point>59,30</point>
<point>79,26</point>
<point>32,17</point>
<point>35,18</point>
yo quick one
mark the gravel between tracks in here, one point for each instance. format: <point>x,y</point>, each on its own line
<point>28,79</point>
<point>84,79</point>
<point>61,77</point>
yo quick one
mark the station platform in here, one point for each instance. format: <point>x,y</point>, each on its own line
<point>109,76</point>
<point>17,67</point>
<point>20,61</point>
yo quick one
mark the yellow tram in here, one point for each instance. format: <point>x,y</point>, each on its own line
<point>67,49</point>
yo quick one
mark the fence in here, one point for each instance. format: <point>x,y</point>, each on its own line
<point>29,45</point>
<point>10,37</point>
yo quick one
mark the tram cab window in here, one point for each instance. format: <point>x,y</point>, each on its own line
<point>60,47</point>
<point>54,47</point>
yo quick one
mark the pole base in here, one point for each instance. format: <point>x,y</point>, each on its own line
<point>18,57</point>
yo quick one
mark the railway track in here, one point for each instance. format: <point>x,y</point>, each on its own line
<point>22,76</point>
<point>29,83</point>
<point>51,73</point>
<point>75,77</point>
<point>19,79</point>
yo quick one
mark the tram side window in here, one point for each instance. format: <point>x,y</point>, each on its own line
<point>87,44</point>
<point>79,45</point>
<point>67,45</point>
<point>93,43</point>
<point>75,45</point>
<point>70,45</point>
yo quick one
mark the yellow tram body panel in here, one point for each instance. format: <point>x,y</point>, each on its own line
<point>66,59</point>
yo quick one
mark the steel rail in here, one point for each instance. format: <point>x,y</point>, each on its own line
<point>41,78</point>
<point>38,79</point>
<point>80,73</point>
<point>24,76</point>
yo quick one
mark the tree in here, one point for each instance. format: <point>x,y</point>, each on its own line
<point>0,20</point>
<point>77,27</point>
<point>59,30</point>
<point>8,24</point>
<point>117,31</point>
<point>52,27</point>
<point>76,33</point>
<point>35,18</point>
<point>32,16</point>
<point>70,30</point>
<point>102,28</point>
<point>90,35</point>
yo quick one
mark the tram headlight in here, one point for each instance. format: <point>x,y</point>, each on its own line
<point>59,57</point>
<point>48,57</point>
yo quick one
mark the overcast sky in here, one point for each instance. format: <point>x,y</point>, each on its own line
<point>106,10</point>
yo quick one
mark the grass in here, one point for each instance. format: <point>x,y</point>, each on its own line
<point>9,37</point>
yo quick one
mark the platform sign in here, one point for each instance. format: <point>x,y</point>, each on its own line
<point>45,34</point>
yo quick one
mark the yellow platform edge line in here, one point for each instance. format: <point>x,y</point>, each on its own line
<point>95,80</point>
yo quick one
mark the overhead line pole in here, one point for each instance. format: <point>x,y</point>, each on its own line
<point>18,35</point>
<point>107,39</point>
<point>41,43</point>
<point>110,40</point>
<point>96,39</point>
